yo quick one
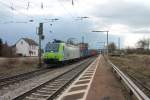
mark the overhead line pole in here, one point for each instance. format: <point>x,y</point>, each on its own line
<point>119,43</point>
<point>107,44</point>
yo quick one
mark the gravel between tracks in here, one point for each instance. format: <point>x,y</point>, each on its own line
<point>24,86</point>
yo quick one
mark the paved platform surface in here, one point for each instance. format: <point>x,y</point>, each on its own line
<point>97,82</point>
<point>105,85</point>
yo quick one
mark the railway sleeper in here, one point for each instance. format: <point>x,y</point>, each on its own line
<point>54,85</point>
<point>50,86</point>
<point>56,82</point>
<point>30,98</point>
<point>50,89</point>
<point>60,81</point>
<point>40,95</point>
<point>45,92</point>
<point>54,89</point>
<point>45,89</point>
<point>33,98</point>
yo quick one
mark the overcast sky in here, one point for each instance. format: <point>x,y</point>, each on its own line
<point>127,19</point>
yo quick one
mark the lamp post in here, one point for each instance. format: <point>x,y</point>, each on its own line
<point>107,38</point>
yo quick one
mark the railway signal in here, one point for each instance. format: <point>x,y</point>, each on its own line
<point>41,37</point>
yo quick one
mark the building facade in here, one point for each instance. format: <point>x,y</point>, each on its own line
<point>26,47</point>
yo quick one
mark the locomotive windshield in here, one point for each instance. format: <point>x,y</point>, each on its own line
<point>52,47</point>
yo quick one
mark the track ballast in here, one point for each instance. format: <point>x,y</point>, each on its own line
<point>49,90</point>
<point>21,77</point>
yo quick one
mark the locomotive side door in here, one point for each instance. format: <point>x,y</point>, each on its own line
<point>66,55</point>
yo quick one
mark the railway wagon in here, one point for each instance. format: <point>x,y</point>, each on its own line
<point>83,50</point>
<point>92,52</point>
<point>58,53</point>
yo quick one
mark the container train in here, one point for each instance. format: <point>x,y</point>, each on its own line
<point>60,52</point>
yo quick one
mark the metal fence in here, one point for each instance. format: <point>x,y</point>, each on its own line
<point>130,84</point>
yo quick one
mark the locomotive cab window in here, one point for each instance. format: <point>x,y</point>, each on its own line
<point>52,47</point>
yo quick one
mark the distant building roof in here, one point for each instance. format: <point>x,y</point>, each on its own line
<point>30,41</point>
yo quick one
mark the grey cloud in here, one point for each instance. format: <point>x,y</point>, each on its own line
<point>119,11</point>
<point>141,31</point>
<point>62,29</point>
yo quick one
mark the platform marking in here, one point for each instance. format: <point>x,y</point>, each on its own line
<point>81,94</point>
<point>86,93</point>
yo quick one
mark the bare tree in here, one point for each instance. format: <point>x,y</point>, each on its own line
<point>6,50</point>
<point>143,44</point>
<point>112,47</point>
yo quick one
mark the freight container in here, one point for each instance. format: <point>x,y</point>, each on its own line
<point>92,52</point>
<point>83,49</point>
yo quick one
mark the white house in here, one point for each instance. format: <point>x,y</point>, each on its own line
<point>26,47</point>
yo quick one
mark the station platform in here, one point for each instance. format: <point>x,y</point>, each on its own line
<point>97,82</point>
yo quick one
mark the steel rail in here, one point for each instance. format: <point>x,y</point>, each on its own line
<point>21,77</point>
<point>24,76</point>
<point>139,83</point>
<point>140,95</point>
<point>50,89</point>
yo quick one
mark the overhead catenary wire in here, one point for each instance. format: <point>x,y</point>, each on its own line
<point>8,6</point>
<point>12,4</point>
<point>5,5</point>
<point>62,5</point>
<point>12,7</point>
<point>28,3</point>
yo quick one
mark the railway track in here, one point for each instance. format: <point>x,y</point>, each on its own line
<point>50,89</point>
<point>144,87</point>
<point>21,77</point>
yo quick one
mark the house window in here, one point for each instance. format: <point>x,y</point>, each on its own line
<point>32,47</point>
<point>31,53</point>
